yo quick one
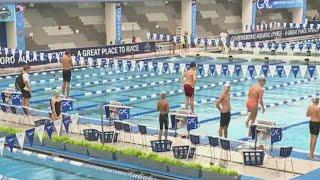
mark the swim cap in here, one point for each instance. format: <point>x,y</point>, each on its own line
<point>262,78</point>
<point>225,86</point>
<point>56,92</point>
<point>315,99</point>
<point>163,95</point>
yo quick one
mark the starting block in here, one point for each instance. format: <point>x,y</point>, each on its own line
<point>11,96</point>
<point>182,119</point>
<point>117,111</point>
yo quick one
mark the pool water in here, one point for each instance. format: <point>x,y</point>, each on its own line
<point>97,87</point>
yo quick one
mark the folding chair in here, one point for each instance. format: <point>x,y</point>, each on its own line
<point>284,153</point>
<point>143,133</point>
<point>126,128</point>
<point>214,143</point>
<point>225,146</point>
<point>118,128</point>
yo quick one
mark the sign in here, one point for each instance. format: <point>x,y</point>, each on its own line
<point>279,4</point>
<point>7,12</point>
<point>49,128</point>
<point>30,135</point>
<point>66,105</point>
<point>10,141</point>
<point>270,35</point>
<point>16,99</point>
<point>118,23</point>
<point>192,123</point>
<point>193,21</point>
<point>276,135</point>
<point>124,113</point>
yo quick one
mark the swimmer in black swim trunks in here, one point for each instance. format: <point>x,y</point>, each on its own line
<point>163,107</point>
<point>66,63</point>
<point>314,125</point>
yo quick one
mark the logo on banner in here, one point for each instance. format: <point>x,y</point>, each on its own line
<point>265,69</point>
<point>30,135</point>
<point>67,105</point>
<point>311,70</point>
<point>147,47</point>
<point>66,122</point>
<point>276,135</point>
<point>225,69</point>
<point>177,66</point>
<point>295,70</point>
<point>10,141</point>
<point>49,128</point>
<point>238,69</point>
<point>192,123</point>
<point>200,68</point>
<point>124,113</point>
<point>262,4</point>
<point>16,99</point>
<point>280,70</point>
<point>4,12</point>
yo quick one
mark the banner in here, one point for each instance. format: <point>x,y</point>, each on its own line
<point>276,135</point>
<point>57,126</point>
<point>124,113</point>
<point>66,105</point>
<point>192,123</point>
<point>279,4</point>
<point>118,23</point>
<point>7,12</point>
<point>2,141</point>
<point>49,128</point>
<point>40,131</point>
<point>66,122</point>
<point>10,141</point>
<point>30,135</point>
<point>270,35</point>
<point>21,137</point>
<point>193,21</point>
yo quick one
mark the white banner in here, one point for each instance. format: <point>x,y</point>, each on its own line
<point>206,68</point>
<point>124,65</point>
<point>141,64</point>
<point>160,66</point>
<point>115,64</point>
<point>57,126</point>
<point>171,67</point>
<point>303,70</point>
<point>231,70</point>
<point>133,64</point>
<point>287,69</point>
<point>2,141</point>
<point>183,67</point>
<point>244,70</point>
<point>150,66</point>
<point>40,131</point>
<point>258,69</point>
<point>272,70</point>
<point>218,69</point>
<point>21,137</point>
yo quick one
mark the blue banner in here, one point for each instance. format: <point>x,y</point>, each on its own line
<point>212,68</point>
<point>118,24</point>
<point>66,120</point>
<point>21,44</point>
<point>311,70</point>
<point>30,135</point>
<point>192,123</point>
<point>225,69</point>
<point>279,4</point>
<point>124,113</point>
<point>165,66</point>
<point>280,70</point>
<point>265,70</point>
<point>177,67</point>
<point>251,69</point>
<point>295,70</point>
<point>66,105</point>
<point>129,65</point>
<point>276,135</point>
<point>238,69</point>
<point>7,12</point>
<point>155,66</point>
<point>200,68</point>
<point>16,99</point>
<point>49,128</point>
<point>193,22</point>
<point>10,141</point>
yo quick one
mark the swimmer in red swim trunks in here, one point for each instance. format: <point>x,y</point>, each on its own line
<point>255,97</point>
<point>189,86</point>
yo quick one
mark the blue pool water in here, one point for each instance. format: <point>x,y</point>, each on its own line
<point>88,99</point>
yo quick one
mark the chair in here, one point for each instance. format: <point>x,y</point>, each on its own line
<point>126,128</point>
<point>143,132</point>
<point>284,153</point>
<point>225,146</point>
<point>118,128</point>
<point>15,114</point>
<point>213,142</point>
<point>195,140</point>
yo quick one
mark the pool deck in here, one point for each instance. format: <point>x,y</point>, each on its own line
<point>301,166</point>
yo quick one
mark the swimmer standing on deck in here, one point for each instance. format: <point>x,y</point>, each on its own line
<point>163,107</point>
<point>314,125</point>
<point>66,63</point>
<point>189,86</point>
<point>223,105</point>
<point>255,97</point>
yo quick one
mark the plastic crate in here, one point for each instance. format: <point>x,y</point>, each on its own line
<point>253,158</point>
<point>181,152</point>
<point>91,134</point>
<point>41,122</point>
<point>108,137</point>
<point>161,145</point>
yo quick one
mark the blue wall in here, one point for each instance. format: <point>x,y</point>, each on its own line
<point>3,35</point>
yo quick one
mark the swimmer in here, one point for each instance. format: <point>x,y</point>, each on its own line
<point>255,97</point>
<point>223,105</point>
<point>56,105</point>
<point>314,125</point>
<point>66,63</point>
<point>183,77</point>
<point>189,86</point>
<point>26,90</point>
<point>163,106</point>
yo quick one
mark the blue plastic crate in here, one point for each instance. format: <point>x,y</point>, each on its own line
<point>108,137</point>
<point>161,145</point>
<point>91,134</point>
<point>182,152</point>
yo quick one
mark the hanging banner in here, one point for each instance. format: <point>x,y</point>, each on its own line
<point>165,66</point>
<point>66,122</point>
<point>279,4</point>
<point>7,12</point>
<point>231,70</point>
<point>21,137</point>
<point>200,68</point>
<point>40,131</point>
<point>303,70</point>
<point>10,141</point>
<point>287,70</point>
<point>57,126</point>
<point>311,70</point>
<point>177,67</point>
<point>258,70</point>
<point>238,69</point>
<point>251,69</point>
<point>193,21</point>
<point>118,23</point>
<point>225,69</point>
<point>272,70</point>
<point>30,135</point>
<point>295,70</point>
<point>192,123</point>
<point>49,127</point>
<point>280,70</point>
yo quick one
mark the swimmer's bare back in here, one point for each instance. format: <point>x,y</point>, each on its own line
<point>191,78</point>
<point>66,62</point>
